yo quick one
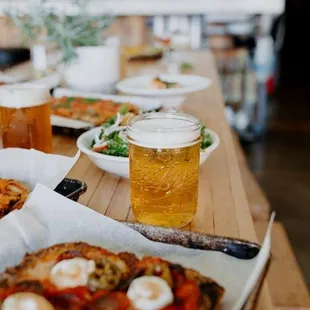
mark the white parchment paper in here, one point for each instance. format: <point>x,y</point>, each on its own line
<point>5,78</point>
<point>31,166</point>
<point>49,218</point>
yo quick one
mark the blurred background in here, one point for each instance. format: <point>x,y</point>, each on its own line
<point>263,64</point>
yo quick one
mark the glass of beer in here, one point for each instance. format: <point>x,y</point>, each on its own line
<point>25,117</point>
<point>164,167</point>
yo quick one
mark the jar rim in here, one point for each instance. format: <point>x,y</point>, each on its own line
<point>183,131</point>
<point>23,95</point>
<point>194,122</point>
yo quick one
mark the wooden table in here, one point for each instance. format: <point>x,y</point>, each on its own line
<point>223,207</point>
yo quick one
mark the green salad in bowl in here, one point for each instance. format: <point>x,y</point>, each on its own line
<point>107,145</point>
<point>111,139</point>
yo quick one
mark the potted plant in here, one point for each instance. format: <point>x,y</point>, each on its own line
<point>90,63</point>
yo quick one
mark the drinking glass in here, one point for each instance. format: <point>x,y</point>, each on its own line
<point>164,41</point>
<point>25,117</point>
<point>164,151</point>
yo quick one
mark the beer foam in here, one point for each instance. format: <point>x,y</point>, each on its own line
<point>164,132</point>
<point>23,95</point>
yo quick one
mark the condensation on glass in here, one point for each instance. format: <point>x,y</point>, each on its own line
<point>164,168</point>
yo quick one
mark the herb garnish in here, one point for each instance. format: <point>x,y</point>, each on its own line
<point>206,138</point>
<point>118,146</point>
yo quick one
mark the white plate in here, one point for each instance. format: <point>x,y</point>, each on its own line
<point>65,122</point>
<point>51,80</point>
<point>120,165</point>
<point>4,78</point>
<point>141,85</point>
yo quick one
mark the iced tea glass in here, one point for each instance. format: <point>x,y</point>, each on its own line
<point>164,168</point>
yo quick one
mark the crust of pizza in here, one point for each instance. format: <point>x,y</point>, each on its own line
<point>13,194</point>
<point>37,266</point>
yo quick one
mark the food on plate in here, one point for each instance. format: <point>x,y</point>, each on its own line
<point>111,139</point>
<point>80,276</point>
<point>158,83</point>
<point>143,52</point>
<point>13,194</point>
<point>95,111</point>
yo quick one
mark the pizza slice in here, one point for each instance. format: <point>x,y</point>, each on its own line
<point>78,276</point>
<point>13,194</point>
<point>158,83</point>
<point>94,111</point>
<point>69,275</point>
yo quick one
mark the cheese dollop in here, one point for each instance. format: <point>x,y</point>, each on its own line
<point>72,272</point>
<point>26,301</point>
<point>149,293</point>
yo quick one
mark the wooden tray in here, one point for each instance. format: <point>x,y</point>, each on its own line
<point>237,248</point>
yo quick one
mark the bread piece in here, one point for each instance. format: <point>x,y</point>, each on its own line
<point>13,194</point>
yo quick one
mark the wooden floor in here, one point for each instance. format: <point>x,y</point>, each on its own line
<point>281,163</point>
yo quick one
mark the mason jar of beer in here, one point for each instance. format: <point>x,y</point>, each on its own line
<point>164,168</point>
<point>25,117</point>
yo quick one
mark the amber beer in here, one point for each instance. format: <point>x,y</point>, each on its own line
<point>164,168</point>
<point>25,117</point>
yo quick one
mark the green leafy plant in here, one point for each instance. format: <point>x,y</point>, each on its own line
<point>67,32</point>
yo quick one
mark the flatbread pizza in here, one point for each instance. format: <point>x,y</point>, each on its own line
<point>13,194</point>
<point>80,276</point>
<point>94,111</point>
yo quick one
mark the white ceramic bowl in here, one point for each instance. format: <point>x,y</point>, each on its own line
<point>204,154</point>
<point>120,165</point>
